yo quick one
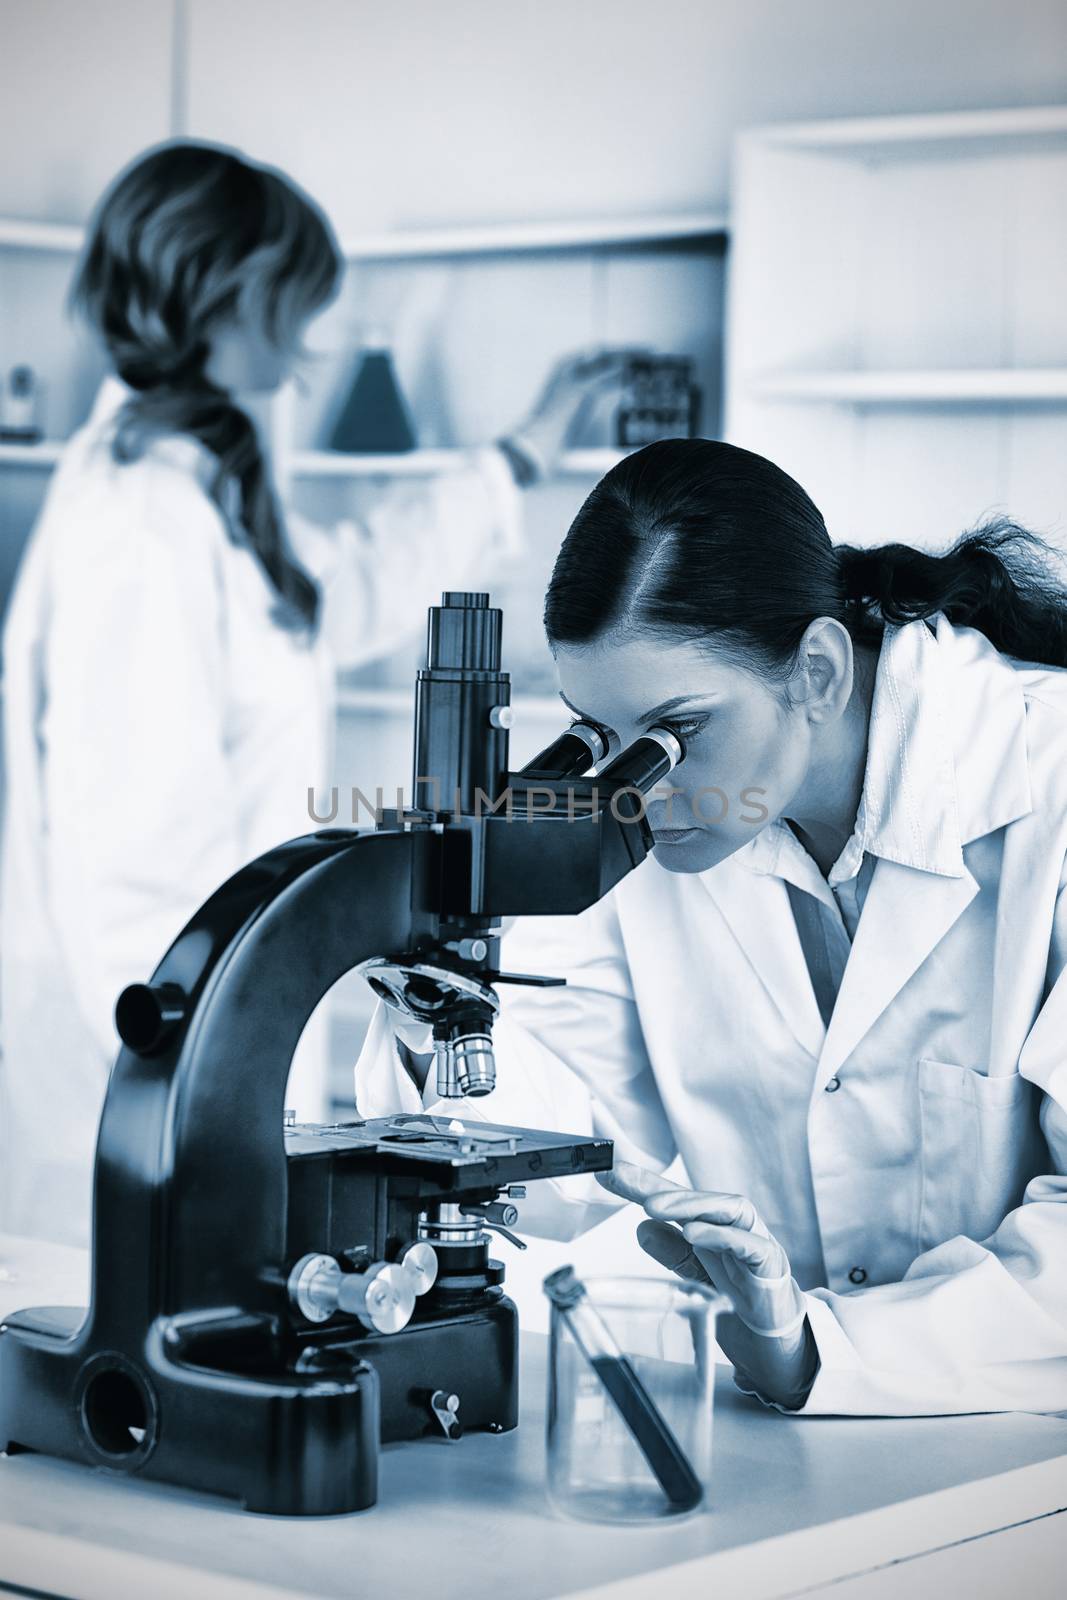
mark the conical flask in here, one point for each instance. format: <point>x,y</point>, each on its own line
<point>375,419</point>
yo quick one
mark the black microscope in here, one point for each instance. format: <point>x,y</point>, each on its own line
<point>269,1301</point>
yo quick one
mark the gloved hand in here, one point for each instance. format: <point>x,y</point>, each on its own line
<point>572,388</point>
<point>719,1239</point>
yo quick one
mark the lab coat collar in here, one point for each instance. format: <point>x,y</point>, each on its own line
<point>947,763</point>
<point>180,449</point>
<point>946,759</point>
<point>955,710</point>
<point>111,396</point>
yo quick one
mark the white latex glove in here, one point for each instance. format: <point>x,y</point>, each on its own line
<point>417,1036</point>
<point>414,1046</point>
<point>719,1239</point>
<point>573,387</point>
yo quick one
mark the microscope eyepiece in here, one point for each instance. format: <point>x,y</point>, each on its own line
<point>464,634</point>
<point>643,763</point>
<point>574,752</point>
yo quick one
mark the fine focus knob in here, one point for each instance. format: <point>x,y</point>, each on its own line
<point>383,1297</point>
<point>419,1262</point>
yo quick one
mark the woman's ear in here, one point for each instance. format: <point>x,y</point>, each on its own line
<point>826,666</point>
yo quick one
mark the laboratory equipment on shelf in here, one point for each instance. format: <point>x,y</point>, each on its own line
<point>375,418</point>
<point>20,407</point>
<point>659,400</point>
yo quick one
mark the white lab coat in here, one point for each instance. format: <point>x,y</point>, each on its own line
<point>160,731</point>
<point>911,1157</point>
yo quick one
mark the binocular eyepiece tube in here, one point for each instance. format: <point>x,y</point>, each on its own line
<point>574,752</point>
<point>640,766</point>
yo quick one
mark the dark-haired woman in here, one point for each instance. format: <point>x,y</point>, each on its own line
<point>170,650</point>
<point>837,988</point>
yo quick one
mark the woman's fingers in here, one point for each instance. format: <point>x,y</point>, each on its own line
<point>631,1182</point>
<point>582,372</point>
<point>667,1246</point>
<point>763,1257</point>
<point>600,361</point>
<point>606,365</point>
<point>682,1205</point>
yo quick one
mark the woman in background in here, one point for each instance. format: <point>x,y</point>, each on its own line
<point>837,989</point>
<point>170,650</point>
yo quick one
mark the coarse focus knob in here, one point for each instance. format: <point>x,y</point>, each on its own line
<point>382,1298</point>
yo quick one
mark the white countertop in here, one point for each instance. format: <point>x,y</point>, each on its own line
<point>797,1505</point>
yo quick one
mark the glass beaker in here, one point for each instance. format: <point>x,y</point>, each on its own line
<point>664,1329</point>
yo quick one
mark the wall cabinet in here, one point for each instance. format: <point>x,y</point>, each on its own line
<point>897,334</point>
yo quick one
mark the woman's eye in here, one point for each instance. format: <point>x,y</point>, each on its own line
<point>687,730</point>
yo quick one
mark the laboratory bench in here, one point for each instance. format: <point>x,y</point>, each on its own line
<point>869,1508</point>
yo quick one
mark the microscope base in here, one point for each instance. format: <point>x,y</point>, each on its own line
<point>207,1409</point>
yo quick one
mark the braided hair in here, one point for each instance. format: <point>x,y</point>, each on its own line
<point>187,239</point>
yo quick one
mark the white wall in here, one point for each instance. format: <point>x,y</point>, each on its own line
<point>452,110</point>
<point>84,85</point>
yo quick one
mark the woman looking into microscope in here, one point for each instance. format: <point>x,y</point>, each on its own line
<point>170,649</point>
<point>841,998</point>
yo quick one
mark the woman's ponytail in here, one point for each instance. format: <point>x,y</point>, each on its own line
<point>700,540</point>
<point>997,579</point>
<point>189,404</point>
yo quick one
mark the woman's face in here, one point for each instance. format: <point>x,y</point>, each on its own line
<point>747,752</point>
<point>245,360</point>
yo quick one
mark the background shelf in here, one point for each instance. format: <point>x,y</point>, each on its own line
<point>341,464</point>
<point>505,238</point>
<point>63,238</point>
<point>424,463</point>
<point>414,244</point>
<point>897,341</point>
<point>45,454</point>
<point>925,132</point>
<point>965,385</point>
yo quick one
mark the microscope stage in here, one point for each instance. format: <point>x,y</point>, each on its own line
<point>414,1142</point>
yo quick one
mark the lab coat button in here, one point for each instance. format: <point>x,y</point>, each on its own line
<point>857,1275</point>
<point>833,1085</point>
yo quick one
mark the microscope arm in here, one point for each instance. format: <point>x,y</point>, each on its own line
<point>191,1144</point>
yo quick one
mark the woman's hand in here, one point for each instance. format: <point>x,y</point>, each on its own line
<point>572,388</point>
<point>720,1240</point>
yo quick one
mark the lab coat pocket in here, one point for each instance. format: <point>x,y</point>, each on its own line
<point>981,1145</point>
